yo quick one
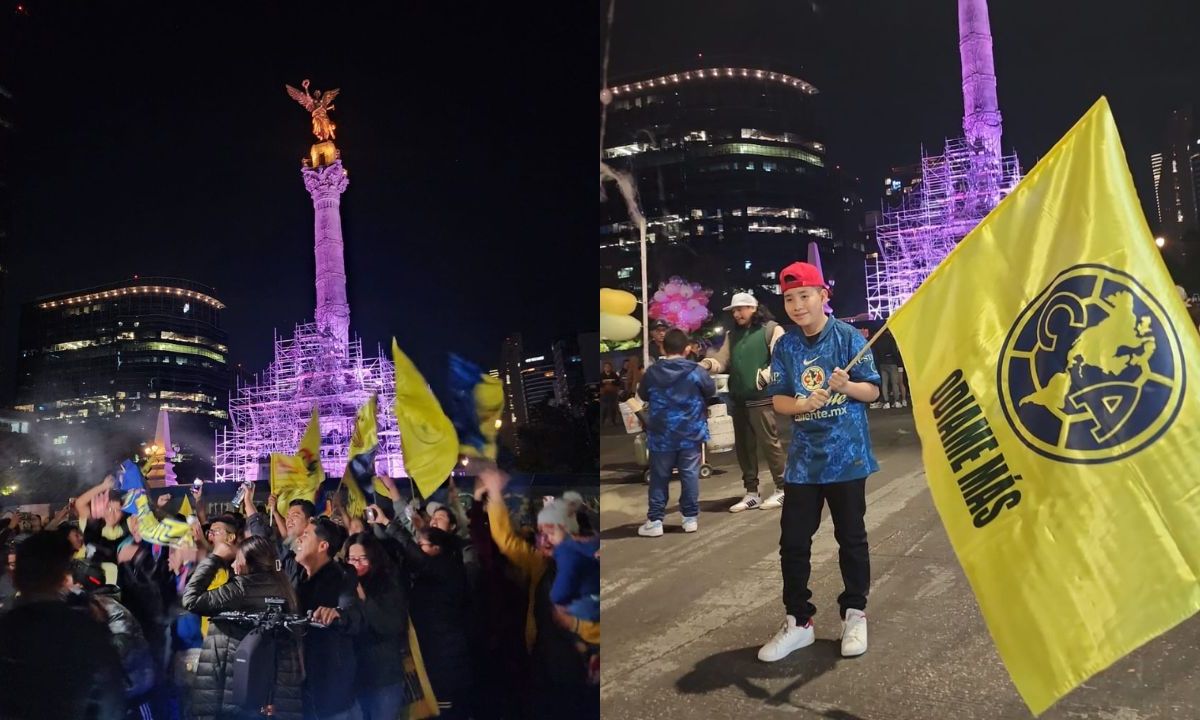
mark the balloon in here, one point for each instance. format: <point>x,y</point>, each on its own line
<point>660,296</point>
<point>619,327</point>
<point>617,302</point>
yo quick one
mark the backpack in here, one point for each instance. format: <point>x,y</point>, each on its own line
<point>254,670</point>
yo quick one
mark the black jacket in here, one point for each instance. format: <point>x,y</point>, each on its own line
<point>260,525</point>
<point>438,605</point>
<point>211,693</point>
<point>137,661</point>
<point>383,643</point>
<point>56,662</point>
<point>330,659</point>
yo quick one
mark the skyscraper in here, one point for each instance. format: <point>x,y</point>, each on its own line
<point>1175,171</point>
<point>113,356</point>
<point>732,174</point>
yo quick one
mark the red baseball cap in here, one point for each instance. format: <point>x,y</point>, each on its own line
<point>800,274</point>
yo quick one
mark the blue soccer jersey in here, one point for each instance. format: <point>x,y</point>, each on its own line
<point>831,444</point>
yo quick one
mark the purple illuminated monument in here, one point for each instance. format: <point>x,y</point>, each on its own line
<point>957,189</point>
<point>321,365</point>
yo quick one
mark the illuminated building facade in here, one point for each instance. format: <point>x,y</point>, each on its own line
<point>118,353</point>
<point>732,176</point>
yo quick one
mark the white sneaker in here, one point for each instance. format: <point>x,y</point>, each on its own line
<point>854,633</point>
<point>790,637</point>
<point>652,528</point>
<point>875,406</point>
<point>691,524</point>
<point>773,502</point>
<point>751,501</point>
<point>903,403</point>
<point>887,406</point>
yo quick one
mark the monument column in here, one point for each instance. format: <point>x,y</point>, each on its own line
<point>981,109</point>
<point>326,183</point>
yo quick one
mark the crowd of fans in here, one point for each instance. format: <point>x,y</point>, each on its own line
<point>453,610</point>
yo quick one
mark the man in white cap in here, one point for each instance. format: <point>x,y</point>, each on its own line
<point>746,356</point>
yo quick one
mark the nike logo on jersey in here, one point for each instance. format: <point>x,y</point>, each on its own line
<point>811,361</point>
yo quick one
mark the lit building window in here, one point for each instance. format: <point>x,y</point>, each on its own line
<point>625,273</point>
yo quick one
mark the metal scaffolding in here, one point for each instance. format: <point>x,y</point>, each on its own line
<point>957,190</point>
<point>310,369</point>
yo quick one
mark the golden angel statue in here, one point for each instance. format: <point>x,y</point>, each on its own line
<point>319,105</point>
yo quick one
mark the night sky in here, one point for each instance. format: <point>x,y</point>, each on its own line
<point>157,139</point>
<point>889,77</point>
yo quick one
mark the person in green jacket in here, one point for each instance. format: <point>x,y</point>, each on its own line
<point>746,356</point>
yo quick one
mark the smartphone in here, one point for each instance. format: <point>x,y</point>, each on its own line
<point>370,515</point>
<point>197,484</point>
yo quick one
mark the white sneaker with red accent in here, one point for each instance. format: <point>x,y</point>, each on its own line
<point>854,633</point>
<point>789,638</point>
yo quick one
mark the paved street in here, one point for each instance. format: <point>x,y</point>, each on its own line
<point>684,615</point>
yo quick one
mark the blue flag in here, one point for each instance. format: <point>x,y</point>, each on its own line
<point>475,407</point>
<point>129,477</point>
<point>464,376</point>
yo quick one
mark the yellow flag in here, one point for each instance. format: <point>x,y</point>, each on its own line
<point>167,531</point>
<point>427,436</point>
<point>185,507</point>
<point>299,475</point>
<point>360,463</point>
<point>489,405</point>
<point>1046,356</point>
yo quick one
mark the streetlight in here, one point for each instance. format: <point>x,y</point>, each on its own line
<point>1160,241</point>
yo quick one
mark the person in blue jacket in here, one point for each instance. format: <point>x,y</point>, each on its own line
<point>678,391</point>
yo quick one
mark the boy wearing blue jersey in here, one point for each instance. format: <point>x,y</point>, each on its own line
<point>829,459</point>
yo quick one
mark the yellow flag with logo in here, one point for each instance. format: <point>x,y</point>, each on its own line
<point>427,437</point>
<point>299,475</point>
<point>1047,356</point>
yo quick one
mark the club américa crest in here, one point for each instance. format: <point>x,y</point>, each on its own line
<point>1092,370</point>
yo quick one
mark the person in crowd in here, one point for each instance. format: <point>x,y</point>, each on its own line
<point>438,606</point>
<point>631,376</point>
<point>746,356</point>
<point>74,535</point>
<point>8,591</point>
<point>610,395</point>
<point>504,676</point>
<point>887,355</point>
<point>576,585</point>
<point>829,458</point>
<point>382,645</point>
<point>105,533</point>
<point>678,392</point>
<point>285,530</point>
<point>55,662</point>
<point>256,578</point>
<point>658,335</point>
<point>561,684</point>
<point>103,602</point>
<point>328,590</point>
